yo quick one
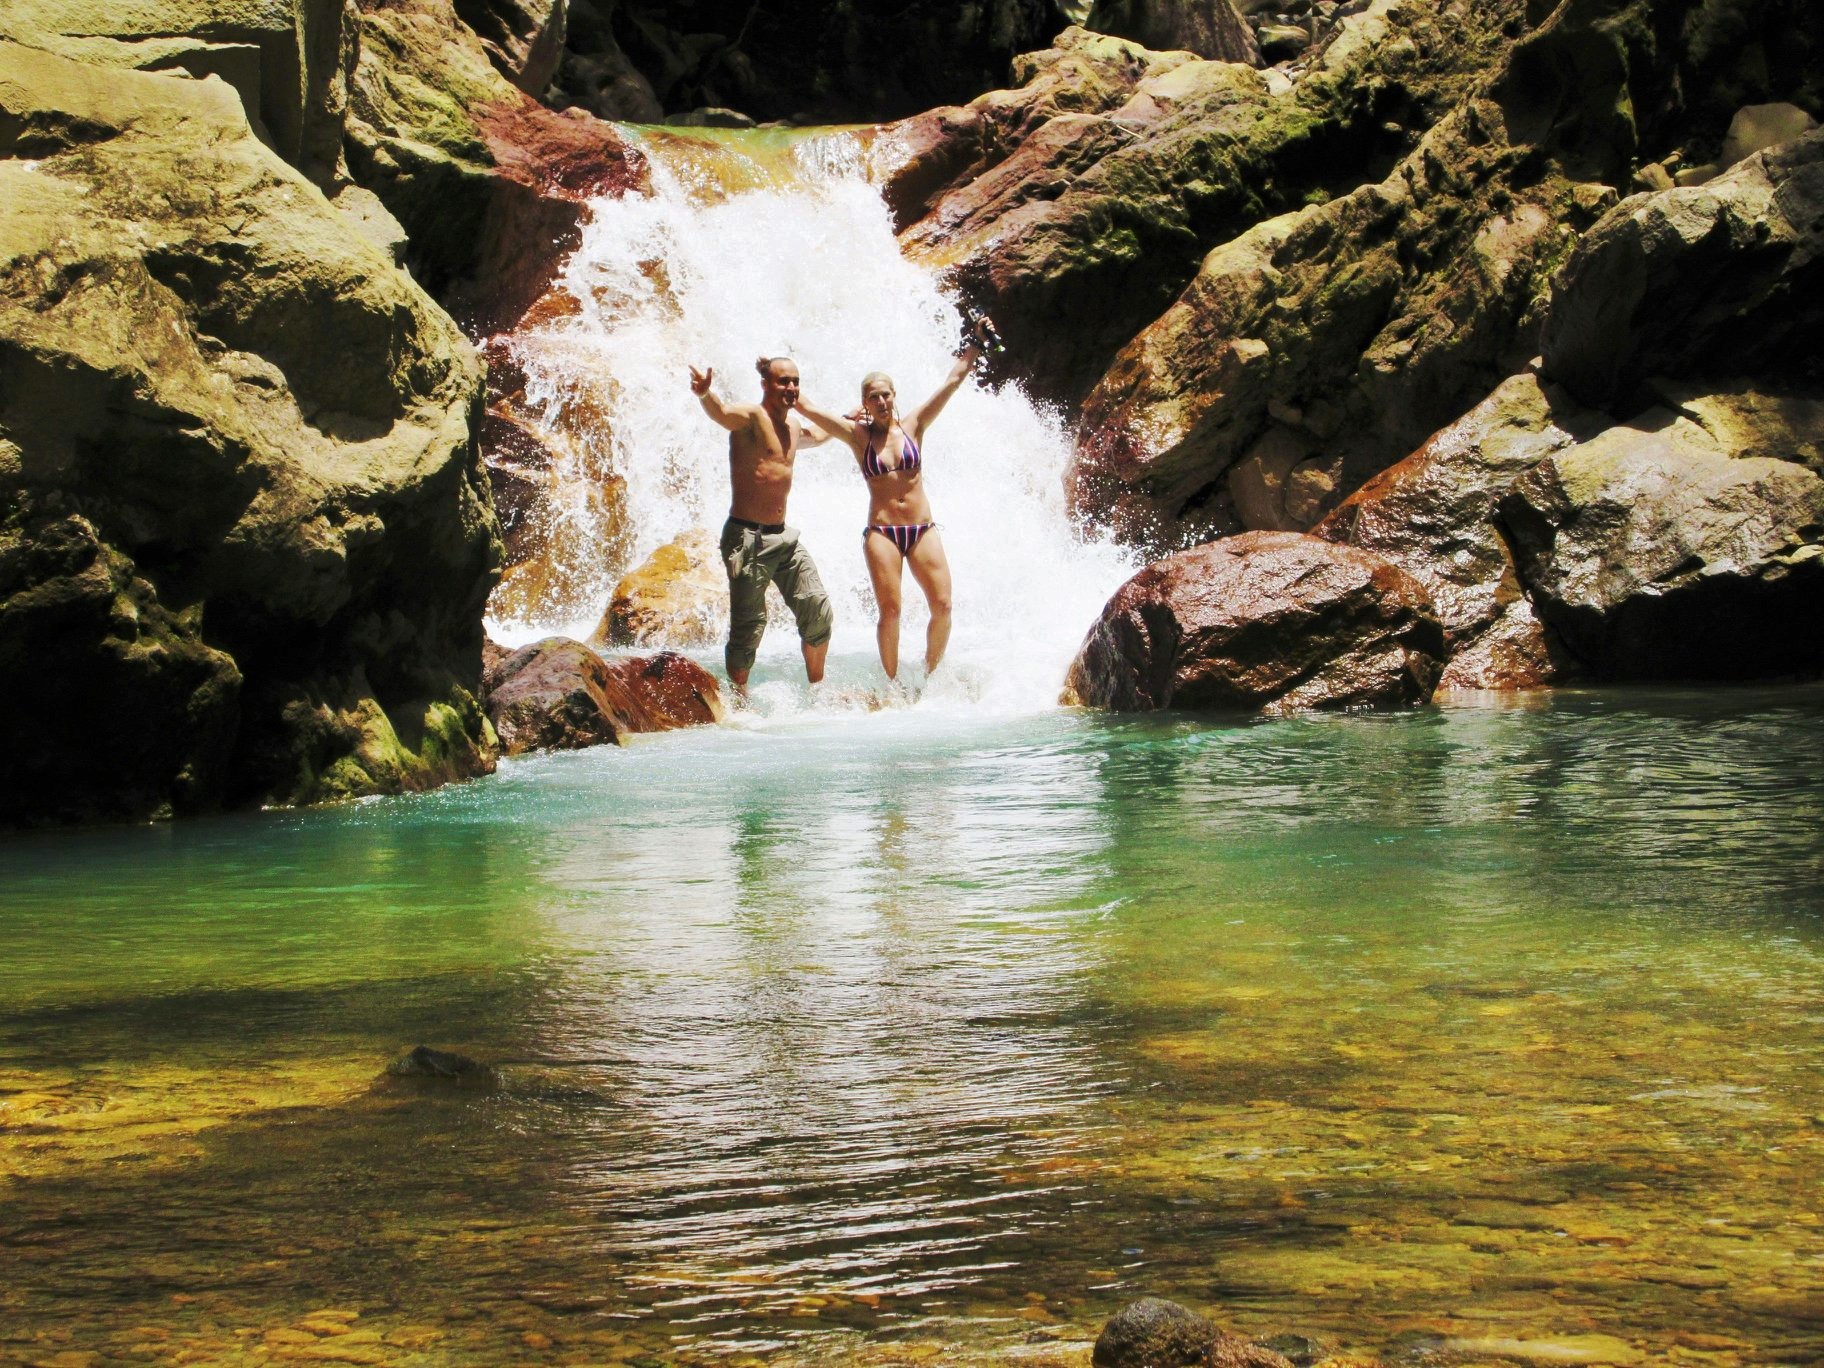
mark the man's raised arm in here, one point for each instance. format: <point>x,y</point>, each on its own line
<point>719,413</point>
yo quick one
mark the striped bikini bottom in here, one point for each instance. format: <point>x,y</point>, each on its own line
<point>903,535</point>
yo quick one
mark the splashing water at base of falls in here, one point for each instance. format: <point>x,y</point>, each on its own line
<point>750,246</point>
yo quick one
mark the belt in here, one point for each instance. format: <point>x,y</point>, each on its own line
<point>771,529</point>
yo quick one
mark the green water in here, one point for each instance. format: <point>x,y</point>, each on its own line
<point>923,1037</point>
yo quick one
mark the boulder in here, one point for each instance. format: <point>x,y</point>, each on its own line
<point>1432,514</point>
<point>667,691</point>
<point>1657,552</point>
<point>243,503</point>
<point>557,694</point>
<point>524,39</point>
<point>678,596</point>
<point>289,61</point>
<point>1212,30</point>
<point>1269,622</point>
<point>922,158</point>
<point>554,694</point>
<point>490,185</point>
<point>1155,1333</point>
<point>1723,278</point>
<point>423,1063</point>
<point>1758,127</point>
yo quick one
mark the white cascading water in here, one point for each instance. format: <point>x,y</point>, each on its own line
<point>733,257</point>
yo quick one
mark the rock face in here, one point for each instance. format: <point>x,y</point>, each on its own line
<point>677,597</point>
<point>245,523</point>
<point>489,184</point>
<point>1302,273</point>
<point>1082,225</point>
<point>288,60</point>
<point>557,694</point>
<point>524,39</point>
<point>1658,553</point>
<point>1155,1333</point>
<point>1726,277</point>
<point>1214,30</point>
<point>1268,622</point>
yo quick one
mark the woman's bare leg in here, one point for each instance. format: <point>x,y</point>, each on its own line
<point>932,572</point>
<point>884,562</point>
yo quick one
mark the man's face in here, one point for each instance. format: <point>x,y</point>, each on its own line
<point>781,383</point>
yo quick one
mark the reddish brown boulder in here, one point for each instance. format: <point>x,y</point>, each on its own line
<point>557,694</point>
<point>1270,622</point>
<point>666,691</point>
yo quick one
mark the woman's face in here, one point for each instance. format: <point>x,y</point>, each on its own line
<point>878,401</point>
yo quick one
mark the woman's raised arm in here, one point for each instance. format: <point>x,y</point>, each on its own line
<point>833,423</point>
<point>927,412</point>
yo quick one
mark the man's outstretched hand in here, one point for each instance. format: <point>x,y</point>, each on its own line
<point>699,380</point>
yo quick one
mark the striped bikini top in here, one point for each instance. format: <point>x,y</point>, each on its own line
<point>909,459</point>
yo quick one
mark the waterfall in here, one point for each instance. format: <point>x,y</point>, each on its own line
<point>771,244</point>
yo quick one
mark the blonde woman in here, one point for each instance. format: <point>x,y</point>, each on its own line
<point>900,532</point>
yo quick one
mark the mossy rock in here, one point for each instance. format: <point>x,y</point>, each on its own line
<point>247,518</point>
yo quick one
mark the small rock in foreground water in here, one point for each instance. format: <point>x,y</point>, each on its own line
<point>1155,1333</point>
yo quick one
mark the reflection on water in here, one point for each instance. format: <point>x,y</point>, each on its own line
<point>857,1037</point>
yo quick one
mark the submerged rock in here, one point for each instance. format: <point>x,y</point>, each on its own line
<point>1155,1333</point>
<point>557,694</point>
<point>424,1062</point>
<point>1266,621</point>
<point>245,529</point>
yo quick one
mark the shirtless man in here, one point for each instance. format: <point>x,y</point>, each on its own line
<point>757,547</point>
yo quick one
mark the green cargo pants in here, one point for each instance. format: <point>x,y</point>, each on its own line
<point>756,557</point>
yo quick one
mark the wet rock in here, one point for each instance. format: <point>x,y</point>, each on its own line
<point>244,515</point>
<point>1264,621</point>
<point>489,184</point>
<point>427,1063</point>
<point>1155,1333</point>
<point>557,694</point>
<point>1657,552</point>
<point>554,694</point>
<point>677,597</point>
<point>666,691</point>
<point>1723,278</point>
<point>1432,514</point>
<point>1212,30</point>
